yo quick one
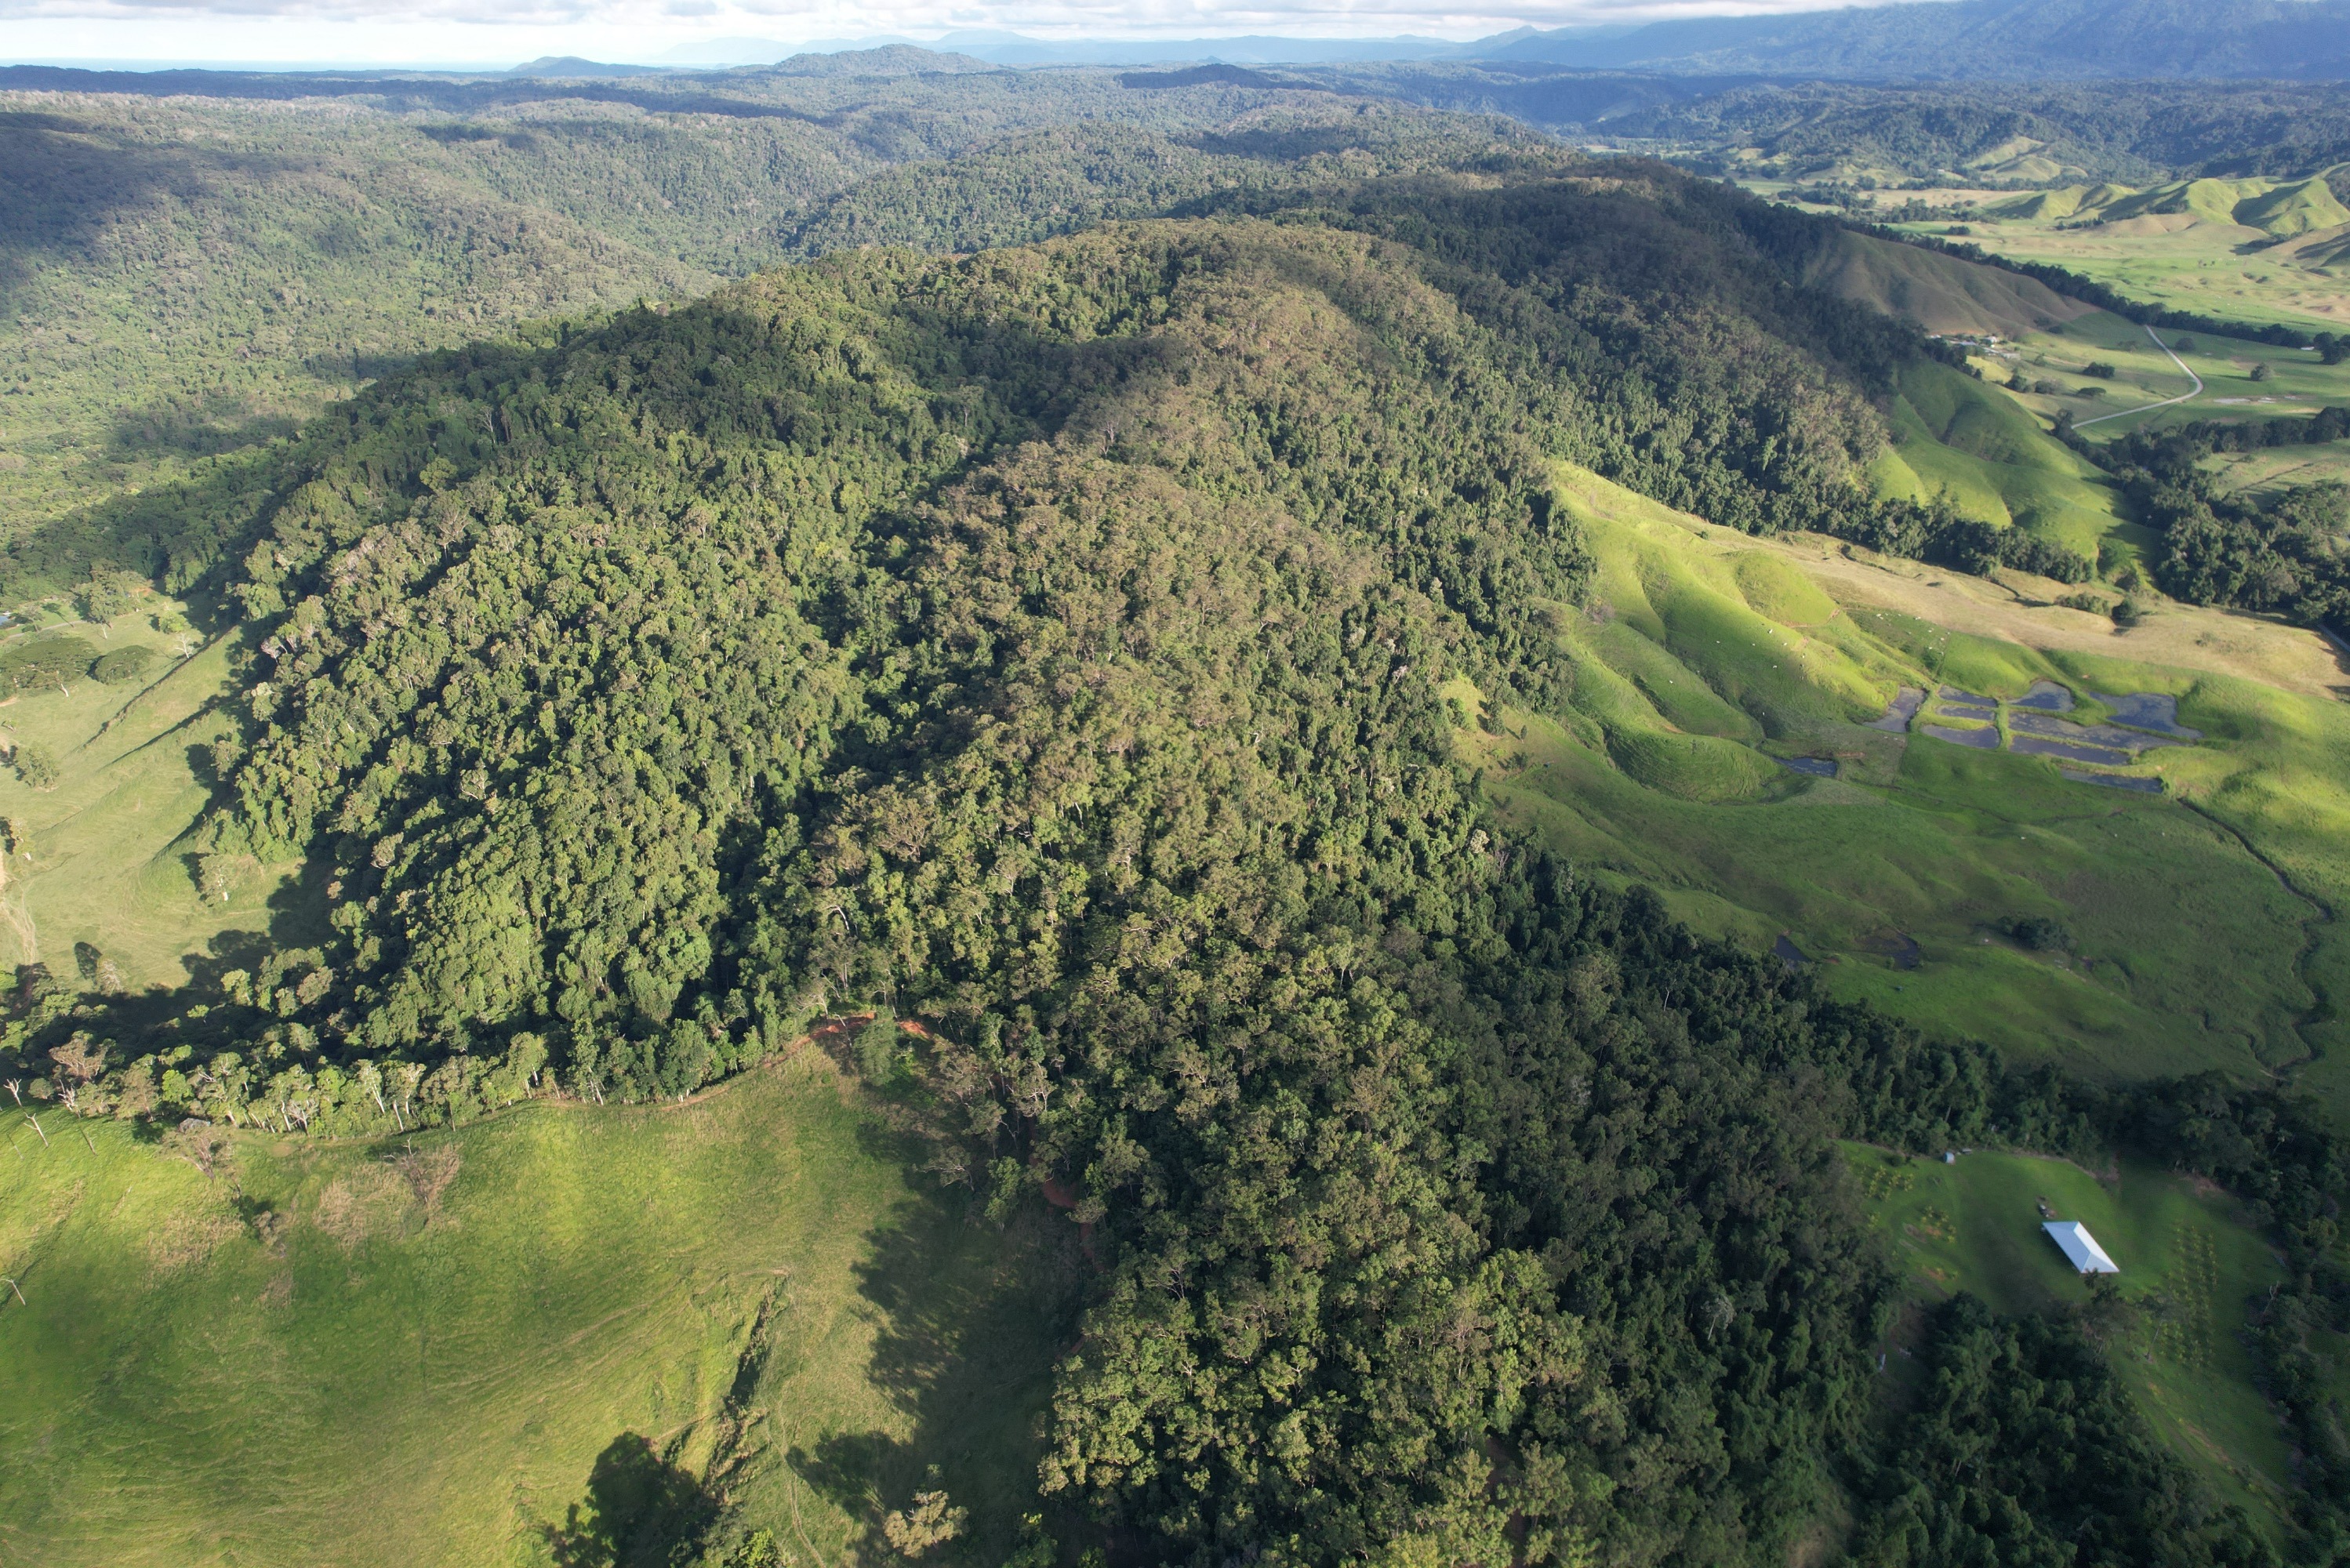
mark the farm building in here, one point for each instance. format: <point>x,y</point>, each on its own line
<point>2082,1248</point>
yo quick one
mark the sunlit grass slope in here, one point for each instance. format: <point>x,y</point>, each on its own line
<point>1704,657</point>
<point>369,1354</point>
<point>1956,437</point>
<point>2189,1272</point>
<point>102,860</point>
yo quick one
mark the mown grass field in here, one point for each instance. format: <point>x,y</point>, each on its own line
<point>2189,1272</point>
<point>1710,655</point>
<point>337,1353</point>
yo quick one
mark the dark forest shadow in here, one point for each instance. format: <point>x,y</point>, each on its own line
<point>973,1317</point>
<point>640,1512</point>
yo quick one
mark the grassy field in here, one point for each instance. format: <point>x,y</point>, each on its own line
<point>2296,380</point>
<point>99,864</point>
<point>2259,251</point>
<point>1710,657</point>
<point>2190,1269</point>
<point>420,1354</point>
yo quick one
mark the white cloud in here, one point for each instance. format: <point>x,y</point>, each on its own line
<point>471,31</point>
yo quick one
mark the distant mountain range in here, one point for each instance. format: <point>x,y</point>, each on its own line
<point>1915,41</point>
<point>1925,40</point>
<point>1976,40</point>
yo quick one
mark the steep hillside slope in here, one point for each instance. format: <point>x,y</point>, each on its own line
<point>1940,293</point>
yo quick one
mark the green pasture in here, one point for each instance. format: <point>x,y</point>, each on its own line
<point>418,1353</point>
<point>101,861</point>
<point>1705,658</point>
<point>2260,251</point>
<point>1954,436</point>
<point>2296,381</point>
<point>2190,1270</point>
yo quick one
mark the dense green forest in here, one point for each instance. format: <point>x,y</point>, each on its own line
<point>194,262</point>
<point>1035,665</point>
<point>185,273</point>
<point>1975,133</point>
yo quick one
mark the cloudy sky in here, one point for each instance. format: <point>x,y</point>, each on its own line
<point>504,32</point>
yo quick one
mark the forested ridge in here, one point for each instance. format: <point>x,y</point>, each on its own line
<point>1063,648</point>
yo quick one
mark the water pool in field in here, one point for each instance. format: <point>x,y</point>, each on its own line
<point>2070,751</point>
<point>2153,711</point>
<point>2115,781</point>
<point>2047,697</point>
<point>2143,721</point>
<point>1899,711</point>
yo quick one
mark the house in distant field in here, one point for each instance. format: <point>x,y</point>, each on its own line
<point>2081,1248</point>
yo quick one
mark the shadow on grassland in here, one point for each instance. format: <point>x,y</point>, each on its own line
<point>972,1318</point>
<point>640,1512</point>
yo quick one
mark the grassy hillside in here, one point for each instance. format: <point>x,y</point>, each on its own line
<point>1954,437</point>
<point>1942,293</point>
<point>2191,1268</point>
<point>99,867</point>
<point>429,1351</point>
<point>1706,655</point>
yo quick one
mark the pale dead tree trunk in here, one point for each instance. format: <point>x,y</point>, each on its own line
<point>15,1085</point>
<point>12,1285</point>
<point>37,1128</point>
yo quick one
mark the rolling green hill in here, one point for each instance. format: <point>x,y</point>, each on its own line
<point>514,1344</point>
<point>1164,868</point>
<point>2280,208</point>
<point>1955,438</point>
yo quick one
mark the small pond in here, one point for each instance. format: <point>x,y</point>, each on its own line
<point>2153,711</point>
<point>2115,781</point>
<point>2046,696</point>
<point>2071,751</point>
<point>1899,711</point>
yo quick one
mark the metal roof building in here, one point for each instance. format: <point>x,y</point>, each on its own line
<point>2080,1247</point>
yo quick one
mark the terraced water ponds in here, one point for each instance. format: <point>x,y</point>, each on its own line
<point>2038,725</point>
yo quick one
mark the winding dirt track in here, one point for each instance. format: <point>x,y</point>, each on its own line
<point>2144,408</point>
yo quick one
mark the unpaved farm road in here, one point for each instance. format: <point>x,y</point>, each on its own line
<point>2166,402</point>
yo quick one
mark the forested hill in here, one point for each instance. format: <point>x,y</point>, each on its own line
<point>1065,647</point>
<point>1980,40</point>
<point>1972,133</point>
<point>194,262</point>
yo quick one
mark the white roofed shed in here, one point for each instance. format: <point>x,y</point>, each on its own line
<point>2078,1245</point>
